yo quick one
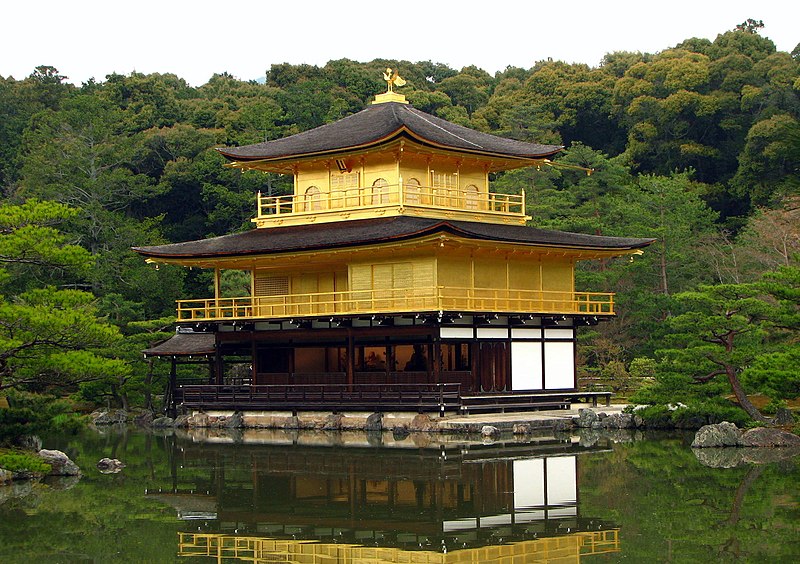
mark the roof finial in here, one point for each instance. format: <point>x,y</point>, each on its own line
<point>392,79</point>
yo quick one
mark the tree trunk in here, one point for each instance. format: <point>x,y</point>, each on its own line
<point>663,270</point>
<point>741,396</point>
<point>148,380</point>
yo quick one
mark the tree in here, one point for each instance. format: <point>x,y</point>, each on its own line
<point>750,26</point>
<point>48,337</point>
<point>719,332</point>
<point>768,163</point>
<point>671,210</point>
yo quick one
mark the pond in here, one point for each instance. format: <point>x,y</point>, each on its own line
<point>279,496</point>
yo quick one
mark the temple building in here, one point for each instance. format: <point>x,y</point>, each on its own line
<point>392,276</point>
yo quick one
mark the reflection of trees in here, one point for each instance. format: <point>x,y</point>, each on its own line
<point>667,502</point>
<point>733,544</point>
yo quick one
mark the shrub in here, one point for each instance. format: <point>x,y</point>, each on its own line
<point>32,414</point>
<point>22,462</point>
<point>693,416</point>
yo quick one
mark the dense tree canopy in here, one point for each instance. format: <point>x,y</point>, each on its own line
<point>697,145</point>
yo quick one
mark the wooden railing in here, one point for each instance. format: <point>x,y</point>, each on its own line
<point>438,398</point>
<point>430,197</point>
<point>396,300</point>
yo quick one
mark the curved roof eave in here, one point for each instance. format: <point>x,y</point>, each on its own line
<point>386,140</point>
<point>380,124</point>
<point>359,233</point>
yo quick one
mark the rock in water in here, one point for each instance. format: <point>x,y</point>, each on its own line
<point>586,418</point>
<point>235,421</point>
<point>400,433</point>
<point>182,421</point>
<point>728,457</point>
<point>521,429</point>
<point>110,418</point>
<point>421,423</point>
<point>144,419</point>
<point>768,437</point>
<point>60,463</point>
<point>110,465</point>
<point>490,432</point>
<point>717,435</point>
<point>374,422</point>
<point>162,422</point>
<point>333,422</point>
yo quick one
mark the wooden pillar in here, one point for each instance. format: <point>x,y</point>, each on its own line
<point>350,357</point>
<point>217,283</point>
<point>435,364</point>
<point>173,379</point>
<point>218,366</point>
<point>253,362</point>
<point>475,383</point>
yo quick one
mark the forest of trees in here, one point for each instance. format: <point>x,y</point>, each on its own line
<point>698,146</point>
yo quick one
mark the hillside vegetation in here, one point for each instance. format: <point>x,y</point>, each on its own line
<point>697,145</point>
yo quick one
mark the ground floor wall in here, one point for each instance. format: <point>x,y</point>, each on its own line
<point>482,355</point>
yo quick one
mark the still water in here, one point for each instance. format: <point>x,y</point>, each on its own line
<point>317,498</point>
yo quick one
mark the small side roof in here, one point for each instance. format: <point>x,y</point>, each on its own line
<point>184,344</point>
<point>381,123</point>
<point>296,238</point>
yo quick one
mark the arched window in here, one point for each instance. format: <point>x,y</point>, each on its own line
<point>412,191</point>
<point>313,199</point>
<point>380,191</point>
<point>471,197</point>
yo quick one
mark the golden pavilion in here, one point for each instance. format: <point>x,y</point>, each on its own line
<point>391,278</point>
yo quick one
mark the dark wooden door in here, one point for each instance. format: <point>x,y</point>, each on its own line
<point>493,366</point>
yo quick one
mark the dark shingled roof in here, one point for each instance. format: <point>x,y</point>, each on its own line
<point>353,233</point>
<point>184,344</point>
<point>380,123</point>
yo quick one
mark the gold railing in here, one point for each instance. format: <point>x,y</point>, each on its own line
<point>599,542</point>
<point>567,548</point>
<point>430,197</point>
<point>397,300</point>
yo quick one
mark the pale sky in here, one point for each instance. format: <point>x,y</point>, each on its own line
<point>196,38</point>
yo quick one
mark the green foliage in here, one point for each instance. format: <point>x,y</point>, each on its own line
<point>23,462</point>
<point>33,250</point>
<point>726,333</point>
<point>684,145</point>
<point>776,374</point>
<point>693,416</point>
<point>52,337</point>
<point>31,414</point>
<point>643,367</point>
<point>48,337</point>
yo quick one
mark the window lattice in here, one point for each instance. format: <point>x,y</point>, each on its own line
<point>345,181</point>
<point>272,285</point>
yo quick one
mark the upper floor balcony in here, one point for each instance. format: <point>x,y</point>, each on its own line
<point>384,200</point>
<point>396,301</point>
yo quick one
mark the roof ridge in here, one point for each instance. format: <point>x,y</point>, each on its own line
<point>421,115</point>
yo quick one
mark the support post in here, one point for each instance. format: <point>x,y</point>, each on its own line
<point>172,408</point>
<point>218,372</point>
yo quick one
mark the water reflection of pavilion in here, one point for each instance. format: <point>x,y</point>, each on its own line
<point>501,503</point>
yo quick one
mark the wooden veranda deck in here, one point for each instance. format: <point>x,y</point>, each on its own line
<point>420,398</point>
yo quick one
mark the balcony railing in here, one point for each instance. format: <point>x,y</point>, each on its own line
<point>397,195</point>
<point>396,300</point>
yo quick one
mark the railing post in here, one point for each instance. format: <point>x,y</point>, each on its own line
<point>400,194</point>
